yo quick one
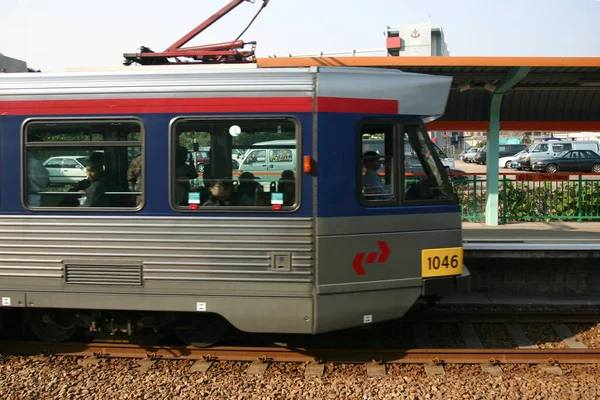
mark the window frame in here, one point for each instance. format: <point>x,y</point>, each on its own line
<point>24,146</point>
<point>235,209</point>
<point>398,169</point>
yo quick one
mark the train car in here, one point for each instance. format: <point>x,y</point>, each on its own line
<point>106,225</point>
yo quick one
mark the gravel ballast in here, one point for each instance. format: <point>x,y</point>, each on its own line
<point>63,377</point>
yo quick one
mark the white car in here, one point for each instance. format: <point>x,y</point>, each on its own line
<point>506,162</point>
<point>66,169</point>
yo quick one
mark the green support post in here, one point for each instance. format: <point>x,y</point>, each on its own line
<point>493,141</point>
<point>474,198</point>
<point>580,216</point>
<point>504,200</point>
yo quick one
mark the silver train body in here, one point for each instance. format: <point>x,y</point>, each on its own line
<point>289,272</point>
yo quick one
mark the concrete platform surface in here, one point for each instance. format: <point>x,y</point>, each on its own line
<point>532,236</point>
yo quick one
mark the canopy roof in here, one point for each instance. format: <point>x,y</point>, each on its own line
<point>556,94</point>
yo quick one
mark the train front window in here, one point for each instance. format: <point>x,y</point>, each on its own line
<point>225,164</point>
<point>423,178</point>
<point>83,163</point>
<point>377,164</point>
<point>398,164</point>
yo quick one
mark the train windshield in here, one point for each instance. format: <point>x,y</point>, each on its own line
<point>424,176</point>
<point>401,165</point>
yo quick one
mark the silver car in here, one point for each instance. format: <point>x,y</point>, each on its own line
<point>66,169</point>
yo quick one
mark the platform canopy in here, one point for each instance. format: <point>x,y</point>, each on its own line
<point>540,93</point>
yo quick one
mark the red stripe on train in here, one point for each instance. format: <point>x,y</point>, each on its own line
<point>362,106</point>
<point>195,105</point>
<point>155,106</point>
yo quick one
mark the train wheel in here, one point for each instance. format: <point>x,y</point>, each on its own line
<point>52,325</point>
<point>204,332</point>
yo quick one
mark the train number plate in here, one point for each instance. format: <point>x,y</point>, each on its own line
<point>441,262</point>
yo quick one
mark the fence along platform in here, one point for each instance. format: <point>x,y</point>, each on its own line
<point>527,197</point>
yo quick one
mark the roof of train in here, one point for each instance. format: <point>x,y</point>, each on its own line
<point>394,92</point>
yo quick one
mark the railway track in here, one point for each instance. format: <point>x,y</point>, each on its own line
<point>428,354</point>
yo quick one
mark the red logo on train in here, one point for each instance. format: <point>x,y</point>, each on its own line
<point>373,257</point>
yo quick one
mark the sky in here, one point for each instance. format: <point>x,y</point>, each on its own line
<point>61,34</point>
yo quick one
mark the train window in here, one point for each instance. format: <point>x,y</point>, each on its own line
<point>234,162</point>
<point>377,164</point>
<point>83,163</point>
<point>423,177</point>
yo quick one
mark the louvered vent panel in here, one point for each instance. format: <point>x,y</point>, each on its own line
<point>103,274</point>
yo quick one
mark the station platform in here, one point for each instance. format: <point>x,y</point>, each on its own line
<point>533,237</point>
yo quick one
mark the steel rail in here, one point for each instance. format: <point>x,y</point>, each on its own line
<point>490,316</point>
<point>268,354</point>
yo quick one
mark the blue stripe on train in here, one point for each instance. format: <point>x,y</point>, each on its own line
<point>336,169</point>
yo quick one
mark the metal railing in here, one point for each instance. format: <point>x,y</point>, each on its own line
<point>532,197</point>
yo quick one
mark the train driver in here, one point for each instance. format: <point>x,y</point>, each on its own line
<point>373,186</point>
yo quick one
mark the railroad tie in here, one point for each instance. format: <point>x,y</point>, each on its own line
<point>434,370</point>
<point>314,369</point>
<point>518,336</point>
<point>375,369</point>
<point>469,335</point>
<point>421,336</point>
<point>494,370</point>
<point>201,366</point>
<point>567,336</point>
<point>550,369</point>
<point>472,341</point>
<point>145,364</point>
<point>90,361</point>
<point>257,368</point>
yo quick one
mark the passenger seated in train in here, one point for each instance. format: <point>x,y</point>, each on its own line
<point>287,186</point>
<point>135,177</point>
<point>249,192</point>
<point>183,174</point>
<point>219,192</point>
<point>94,194</point>
<point>373,187</point>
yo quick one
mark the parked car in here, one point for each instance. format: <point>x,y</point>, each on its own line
<point>203,159</point>
<point>571,160</point>
<point>504,150</point>
<point>379,146</point>
<point>66,169</point>
<point>542,151</point>
<point>506,162</point>
<point>469,156</point>
<point>271,156</point>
